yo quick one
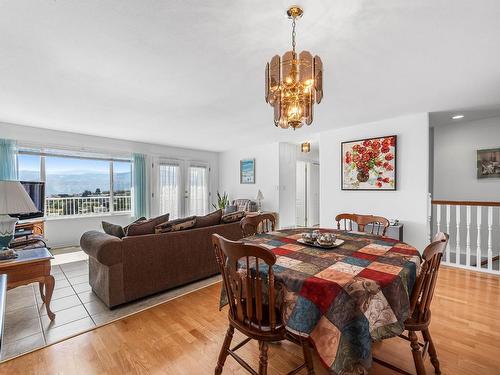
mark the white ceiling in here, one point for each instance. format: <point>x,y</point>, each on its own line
<point>191,73</point>
<point>470,114</point>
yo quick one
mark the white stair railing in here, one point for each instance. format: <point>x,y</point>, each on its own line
<point>474,233</point>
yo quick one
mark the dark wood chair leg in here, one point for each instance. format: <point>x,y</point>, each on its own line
<point>432,351</point>
<point>223,351</point>
<point>306,350</point>
<point>417,354</point>
<point>263,358</point>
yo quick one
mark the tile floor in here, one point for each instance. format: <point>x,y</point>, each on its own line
<point>77,309</point>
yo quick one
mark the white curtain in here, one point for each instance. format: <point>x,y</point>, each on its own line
<point>169,190</point>
<point>198,190</point>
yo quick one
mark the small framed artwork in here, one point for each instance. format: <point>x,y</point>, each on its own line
<point>247,171</point>
<point>488,163</point>
<point>369,164</point>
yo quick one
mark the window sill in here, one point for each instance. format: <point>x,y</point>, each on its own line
<point>94,216</point>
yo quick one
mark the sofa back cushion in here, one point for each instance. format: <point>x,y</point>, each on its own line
<point>146,226</point>
<point>212,218</point>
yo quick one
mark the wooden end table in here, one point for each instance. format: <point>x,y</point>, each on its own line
<point>31,266</point>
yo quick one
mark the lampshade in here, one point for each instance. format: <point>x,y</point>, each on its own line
<point>14,199</point>
<point>260,196</point>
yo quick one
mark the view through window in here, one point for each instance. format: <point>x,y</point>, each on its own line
<point>79,186</point>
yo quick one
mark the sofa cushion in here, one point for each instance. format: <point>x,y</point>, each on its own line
<point>125,228</point>
<point>232,217</point>
<point>146,226</point>
<point>168,225</point>
<point>113,229</point>
<point>212,218</point>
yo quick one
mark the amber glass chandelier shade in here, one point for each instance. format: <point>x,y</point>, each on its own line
<point>294,83</point>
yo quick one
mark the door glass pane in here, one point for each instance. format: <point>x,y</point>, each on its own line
<point>28,167</point>
<point>198,190</point>
<point>76,186</point>
<point>122,185</point>
<point>169,190</point>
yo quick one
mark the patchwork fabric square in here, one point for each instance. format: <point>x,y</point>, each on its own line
<point>402,250</point>
<point>281,251</point>
<point>306,268</point>
<point>286,262</point>
<point>293,247</point>
<point>320,291</point>
<point>326,340</point>
<point>346,268</point>
<point>387,268</point>
<point>381,278</point>
<point>275,243</point>
<point>375,249</point>
<point>365,256</point>
<point>356,261</point>
<point>338,277</point>
<point>379,312</point>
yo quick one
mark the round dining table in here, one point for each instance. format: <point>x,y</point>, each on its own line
<point>346,297</point>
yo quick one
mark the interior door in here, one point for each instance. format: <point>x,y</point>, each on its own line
<point>313,194</point>
<point>301,195</point>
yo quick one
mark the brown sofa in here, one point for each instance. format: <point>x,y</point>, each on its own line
<point>122,270</point>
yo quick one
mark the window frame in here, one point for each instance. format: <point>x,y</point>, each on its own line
<point>68,154</point>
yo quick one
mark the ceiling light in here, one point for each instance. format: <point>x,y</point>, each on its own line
<point>305,147</point>
<point>457,117</point>
<point>294,83</point>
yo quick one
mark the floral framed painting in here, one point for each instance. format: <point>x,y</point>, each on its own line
<point>369,164</point>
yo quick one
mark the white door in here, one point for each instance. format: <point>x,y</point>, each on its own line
<point>301,194</point>
<point>312,194</point>
<point>196,192</point>
<point>169,189</point>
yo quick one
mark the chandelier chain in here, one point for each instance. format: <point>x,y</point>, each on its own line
<point>293,34</point>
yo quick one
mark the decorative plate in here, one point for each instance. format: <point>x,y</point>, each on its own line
<point>337,243</point>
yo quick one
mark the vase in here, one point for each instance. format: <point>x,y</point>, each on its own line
<point>363,176</point>
<point>7,227</point>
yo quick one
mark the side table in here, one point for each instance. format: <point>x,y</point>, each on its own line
<point>32,265</point>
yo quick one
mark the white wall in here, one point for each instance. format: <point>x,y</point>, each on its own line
<point>408,203</point>
<point>266,174</point>
<point>455,147</point>
<point>67,232</point>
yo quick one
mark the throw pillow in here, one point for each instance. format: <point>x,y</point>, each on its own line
<point>168,225</point>
<point>146,226</point>
<point>232,217</point>
<point>208,220</point>
<point>113,229</point>
<point>187,224</point>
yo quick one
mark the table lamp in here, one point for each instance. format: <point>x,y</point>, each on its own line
<point>13,200</point>
<point>260,197</point>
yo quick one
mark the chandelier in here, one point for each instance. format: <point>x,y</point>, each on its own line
<point>293,83</point>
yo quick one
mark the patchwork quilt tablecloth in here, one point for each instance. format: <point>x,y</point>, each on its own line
<point>343,298</point>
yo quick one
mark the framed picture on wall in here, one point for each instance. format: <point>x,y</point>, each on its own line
<point>247,171</point>
<point>369,164</point>
<point>488,163</point>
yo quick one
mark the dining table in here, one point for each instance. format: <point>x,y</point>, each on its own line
<point>344,298</point>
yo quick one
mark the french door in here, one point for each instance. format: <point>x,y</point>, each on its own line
<point>182,188</point>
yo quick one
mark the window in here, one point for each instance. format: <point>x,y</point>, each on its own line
<point>79,185</point>
<point>169,180</point>
<point>198,190</point>
<point>29,167</point>
<point>122,185</point>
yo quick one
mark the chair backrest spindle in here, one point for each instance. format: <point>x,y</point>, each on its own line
<point>261,223</point>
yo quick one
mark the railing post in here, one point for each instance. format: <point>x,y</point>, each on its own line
<point>457,248</point>
<point>448,219</point>
<point>490,238</point>
<point>478,247</point>
<point>467,243</point>
<point>438,218</point>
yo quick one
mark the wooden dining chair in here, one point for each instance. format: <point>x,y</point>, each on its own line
<point>261,223</point>
<point>247,273</point>
<point>420,313</point>
<point>376,224</point>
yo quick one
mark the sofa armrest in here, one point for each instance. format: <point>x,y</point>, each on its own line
<point>104,248</point>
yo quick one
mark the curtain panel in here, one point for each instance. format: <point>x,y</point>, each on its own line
<point>8,170</point>
<point>140,186</point>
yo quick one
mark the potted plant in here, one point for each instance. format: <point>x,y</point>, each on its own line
<point>223,203</point>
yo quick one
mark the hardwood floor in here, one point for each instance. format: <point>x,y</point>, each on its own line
<point>183,336</point>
